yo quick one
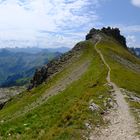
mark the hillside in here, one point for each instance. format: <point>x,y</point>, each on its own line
<point>18,66</point>
<point>87,93</point>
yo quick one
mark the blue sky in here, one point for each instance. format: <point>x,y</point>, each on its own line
<point>62,23</point>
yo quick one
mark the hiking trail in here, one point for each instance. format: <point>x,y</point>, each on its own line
<point>122,125</point>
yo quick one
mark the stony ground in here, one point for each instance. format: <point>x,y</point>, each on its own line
<point>7,93</point>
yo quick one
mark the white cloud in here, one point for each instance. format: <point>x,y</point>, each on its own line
<point>136,2</point>
<point>131,40</point>
<point>24,19</point>
<point>42,14</point>
<point>129,28</point>
<point>132,34</point>
<point>132,28</point>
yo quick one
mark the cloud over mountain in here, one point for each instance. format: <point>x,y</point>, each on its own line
<point>63,21</point>
<point>26,19</point>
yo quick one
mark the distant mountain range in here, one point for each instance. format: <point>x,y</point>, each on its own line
<point>34,50</point>
<point>17,65</point>
<point>135,51</point>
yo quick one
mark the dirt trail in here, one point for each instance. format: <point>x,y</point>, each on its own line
<point>122,125</point>
<point>54,90</point>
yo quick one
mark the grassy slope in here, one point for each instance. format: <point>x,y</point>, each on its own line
<point>63,116</point>
<point>121,75</point>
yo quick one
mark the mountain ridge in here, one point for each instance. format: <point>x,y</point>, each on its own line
<point>71,105</point>
<point>52,67</point>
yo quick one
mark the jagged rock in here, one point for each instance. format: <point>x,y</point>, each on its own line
<point>6,94</point>
<point>112,32</point>
<point>91,33</point>
<point>43,74</point>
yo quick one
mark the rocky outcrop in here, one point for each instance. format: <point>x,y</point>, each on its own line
<point>112,32</point>
<point>43,74</point>
<point>92,33</point>
<point>7,94</point>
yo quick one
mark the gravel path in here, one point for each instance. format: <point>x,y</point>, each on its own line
<point>122,125</point>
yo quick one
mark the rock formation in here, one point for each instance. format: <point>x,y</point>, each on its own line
<point>112,32</point>
<point>43,74</point>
